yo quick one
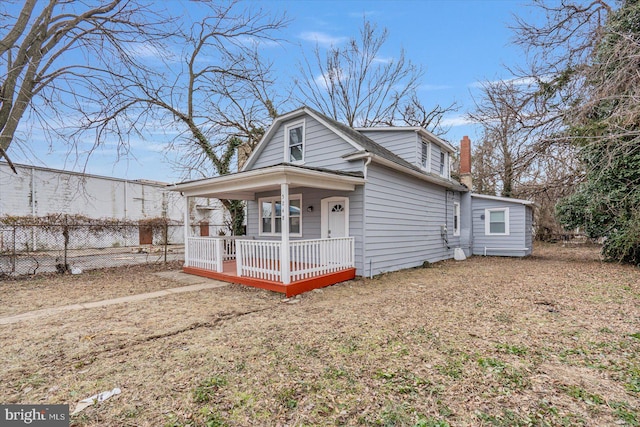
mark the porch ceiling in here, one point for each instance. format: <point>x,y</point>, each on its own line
<point>245,185</point>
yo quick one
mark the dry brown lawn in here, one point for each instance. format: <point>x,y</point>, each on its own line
<point>553,339</point>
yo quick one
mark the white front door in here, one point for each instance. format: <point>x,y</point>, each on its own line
<point>335,217</point>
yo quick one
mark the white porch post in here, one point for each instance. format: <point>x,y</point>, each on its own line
<point>219,254</point>
<point>285,267</point>
<point>186,231</point>
<point>239,258</point>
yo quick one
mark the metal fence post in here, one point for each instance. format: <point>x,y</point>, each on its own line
<point>13,252</point>
<point>166,239</point>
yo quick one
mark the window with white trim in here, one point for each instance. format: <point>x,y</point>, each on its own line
<point>456,218</point>
<point>271,215</point>
<point>496,222</point>
<point>294,142</point>
<point>443,164</point>
<point>424,155</point>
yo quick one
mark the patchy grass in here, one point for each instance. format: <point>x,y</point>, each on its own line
<point>55,290</point>
<point>551,340</point>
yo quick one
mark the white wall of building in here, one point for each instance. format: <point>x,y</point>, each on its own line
<point>37,191</point>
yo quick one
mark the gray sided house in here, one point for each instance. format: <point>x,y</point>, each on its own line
<point>325,199</point>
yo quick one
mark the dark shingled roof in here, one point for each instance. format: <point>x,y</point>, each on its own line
<point>373,147</point>
<point>369,145</point>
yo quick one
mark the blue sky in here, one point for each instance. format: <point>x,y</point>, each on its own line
<point>458,43</point>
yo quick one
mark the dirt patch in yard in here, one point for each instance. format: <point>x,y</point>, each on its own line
<point>56,290</point>
<point>553,339</point>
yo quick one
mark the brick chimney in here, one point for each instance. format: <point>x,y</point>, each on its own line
<point>465,162</point>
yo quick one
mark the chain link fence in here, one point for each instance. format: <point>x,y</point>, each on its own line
<point>64,245</point>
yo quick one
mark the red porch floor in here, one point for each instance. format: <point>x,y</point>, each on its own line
<point>230,275</point>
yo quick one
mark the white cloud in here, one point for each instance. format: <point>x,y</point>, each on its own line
<point>323,39</point>
<point>457,121</point>
<point>323,80</point>
<point>149,51</point>
<point>259,42</point>
<point>517,81</point>
<point>381,60</point>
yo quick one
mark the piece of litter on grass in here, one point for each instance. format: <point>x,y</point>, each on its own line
<point>76,270</point>
<point>96,398</point>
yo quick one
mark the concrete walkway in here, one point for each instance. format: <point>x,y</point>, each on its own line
<point>195,284</point>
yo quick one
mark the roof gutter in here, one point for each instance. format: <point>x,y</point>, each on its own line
<point>395,166</point>
<point>272,174</point>
<point>504,199</point>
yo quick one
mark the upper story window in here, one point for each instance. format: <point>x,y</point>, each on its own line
<point>424,155</point>
<point>294,142</point>
<point>271,215</point>
<point>443,164</point>
<point>496,222</point>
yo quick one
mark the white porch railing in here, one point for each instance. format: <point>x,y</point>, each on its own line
<point>309,258</point>
<point>259,259</point>
<point>210,252</point>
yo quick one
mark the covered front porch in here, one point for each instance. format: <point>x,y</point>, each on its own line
<point>272,256</point>
<point>313,264</point>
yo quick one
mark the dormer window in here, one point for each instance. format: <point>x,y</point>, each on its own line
<point>294,142</point>
<point>444,164</point>
<point>424,155</point>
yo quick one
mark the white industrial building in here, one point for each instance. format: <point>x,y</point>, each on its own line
<point>37,192</point>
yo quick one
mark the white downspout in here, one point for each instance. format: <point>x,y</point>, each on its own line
<point>364,222</point>
<point>366,163</point>
<point>285,267</point>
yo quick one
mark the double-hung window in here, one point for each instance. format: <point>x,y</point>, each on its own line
<point>443,164</point>
<point>496,222</point>
<point>424,155</point>
<point>271,215</point>
<point>294,142</point>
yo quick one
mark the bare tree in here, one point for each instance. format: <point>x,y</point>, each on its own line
<point>217,93</point>
<point>516,157</point>
<point>505,152</point>
<point>58,56</point>
<point>357,86</point>
<point>559,51</point>
<point>413,113</point>
<point>585,69</point>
